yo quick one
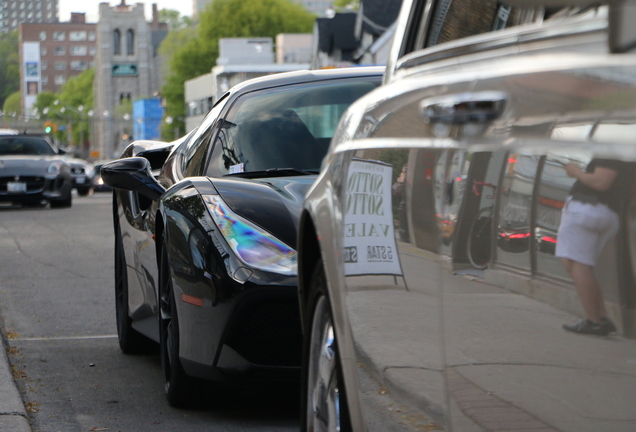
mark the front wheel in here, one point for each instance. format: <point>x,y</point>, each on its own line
<point>480,239</point>
<point>324,401</point>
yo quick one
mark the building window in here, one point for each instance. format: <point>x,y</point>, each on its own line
<point>78,50</point>
<point>45,79</point>
<point>60,50</point>
<point>60,65</point>
<point>59,36</point>
<point>78,65</point>
<point>76,36</point>
<point>60,79</point>
<point>130,42</point>
<point>91,50</point>
<point>45,65</point>
<point>91,36</point>
<point>117,41</point>
<point>43,51</point>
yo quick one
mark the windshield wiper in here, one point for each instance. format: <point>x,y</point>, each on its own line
<point>273,172</point>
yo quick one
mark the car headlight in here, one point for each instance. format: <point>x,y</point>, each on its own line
<point>53,169</point>
<point>255,247</point>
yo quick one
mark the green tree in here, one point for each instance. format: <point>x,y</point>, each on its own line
<point>70,106</point>
<point>9,65</point>
<point>13,104</point>
<point>174,19</point>
<point>346,4</point>
<point>222,19</point>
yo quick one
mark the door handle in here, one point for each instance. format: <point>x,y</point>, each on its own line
<point>477,107</point>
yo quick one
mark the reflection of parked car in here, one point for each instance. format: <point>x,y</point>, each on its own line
<point>406,333</point>
<point>32,170</point>
<point>205,257</point>
<point>82,172</point>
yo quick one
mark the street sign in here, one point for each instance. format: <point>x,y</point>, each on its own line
<point>124,70</point>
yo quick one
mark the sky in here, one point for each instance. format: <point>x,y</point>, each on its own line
<point>91,7</point>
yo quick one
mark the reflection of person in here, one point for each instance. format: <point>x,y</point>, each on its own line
<point>589,221</point>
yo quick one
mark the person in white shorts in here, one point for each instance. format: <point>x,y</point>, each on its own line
<point>588,222</point>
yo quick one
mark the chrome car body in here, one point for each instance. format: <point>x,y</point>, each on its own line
<point>412,321</point>
<point>205,229</point>
<point>33,171</point>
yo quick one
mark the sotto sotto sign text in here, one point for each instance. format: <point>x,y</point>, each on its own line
<point>369,237</point>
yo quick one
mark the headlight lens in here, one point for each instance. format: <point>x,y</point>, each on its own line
<point>255,247</point>
<point>53,169</point>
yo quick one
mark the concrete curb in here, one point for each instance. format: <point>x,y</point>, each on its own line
<point>13,416</point>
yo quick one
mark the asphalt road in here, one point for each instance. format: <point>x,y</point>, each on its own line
<point>57,310</point>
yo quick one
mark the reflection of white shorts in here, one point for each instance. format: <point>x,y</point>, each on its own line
<point>585,230</point>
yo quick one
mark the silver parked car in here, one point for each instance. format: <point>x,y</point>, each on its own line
<point>467,257</point>
<point>33,171</point>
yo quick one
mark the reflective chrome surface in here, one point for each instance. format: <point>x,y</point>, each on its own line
<point>438,238</point>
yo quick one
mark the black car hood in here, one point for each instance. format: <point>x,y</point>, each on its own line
<point>274,204</point>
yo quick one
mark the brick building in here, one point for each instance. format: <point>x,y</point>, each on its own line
<point>51,53</point>
<point>16,12</point>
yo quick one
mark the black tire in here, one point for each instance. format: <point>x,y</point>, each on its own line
<point>323,398</point>
<point>130,341</point>
<point>84,191</point>
<point>180,389</point>
<point>478,246</point>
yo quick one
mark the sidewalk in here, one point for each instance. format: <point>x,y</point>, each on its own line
<point>504,356</point>
<point>12,413</point>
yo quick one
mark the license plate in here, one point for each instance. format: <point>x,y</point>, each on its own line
<point>80,180</point>
<point>16,187</point>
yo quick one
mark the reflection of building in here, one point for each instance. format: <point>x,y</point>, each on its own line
<point>362,37</point>
<point>52,53</point>
<point>126,69</point>
<point>16,12</point>
<point>240,59</point>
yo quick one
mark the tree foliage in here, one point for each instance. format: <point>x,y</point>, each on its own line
<point>223,19</point>
<point>70,106</point>
<point>13,103</point>
<point>346,4</point>
<point>174,19</point>
<point>9,65</point>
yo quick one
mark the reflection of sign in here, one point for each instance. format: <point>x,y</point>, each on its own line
<point>124,70</point>
<point>369,235</point>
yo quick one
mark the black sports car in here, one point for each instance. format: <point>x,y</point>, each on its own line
<point>205,229</point>
<point>33,171</point>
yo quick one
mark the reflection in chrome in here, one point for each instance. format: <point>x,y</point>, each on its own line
<point>322,391</point>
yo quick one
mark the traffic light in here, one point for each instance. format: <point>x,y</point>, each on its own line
<point>47,126</point>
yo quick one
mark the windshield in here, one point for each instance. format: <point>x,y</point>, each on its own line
<point>29,146</point>
<point>277,129</point>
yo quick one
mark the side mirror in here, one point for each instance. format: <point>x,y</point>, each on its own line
<point>132,174</point>
<point>61,151</point>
